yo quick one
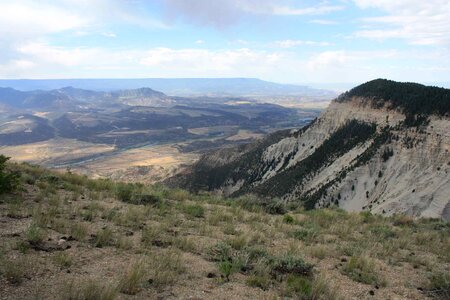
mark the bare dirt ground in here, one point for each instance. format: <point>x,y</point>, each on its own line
<point>54,151</point>
<point>144,164</point>
<point>147,164</point>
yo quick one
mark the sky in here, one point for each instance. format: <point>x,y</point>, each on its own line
<point>286,41</point>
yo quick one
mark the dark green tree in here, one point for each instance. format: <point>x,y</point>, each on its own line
<point>9,181</point>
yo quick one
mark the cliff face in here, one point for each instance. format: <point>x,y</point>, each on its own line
<point>360,154</point>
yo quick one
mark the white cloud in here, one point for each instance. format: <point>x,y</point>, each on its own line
<point>316,10</point>
<point>28,18</point>
<point>41,60</point>
<point>323,22</point>
<point>223,13</point>
<point>341,58</point>
<point>31,19</point>
<point>295,43</point>
<point>200,62</point>
<point>419,22</point>
<point>109,34</point>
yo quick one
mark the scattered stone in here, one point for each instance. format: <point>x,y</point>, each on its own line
<point>371,293</point>
<point>343,259</point>
<point>50,246</point>
<point>211,275</point>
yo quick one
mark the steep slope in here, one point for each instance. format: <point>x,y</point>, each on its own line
<point>383,147</point>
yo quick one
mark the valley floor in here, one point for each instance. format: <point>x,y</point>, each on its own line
<point>68,237</point>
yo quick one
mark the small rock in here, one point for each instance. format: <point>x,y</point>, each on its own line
<point>343,259</point>
<point>371,293</point>
<point>61,241</point>
<point>129,233</point>
<point>211,275</point>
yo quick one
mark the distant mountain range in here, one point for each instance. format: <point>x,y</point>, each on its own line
<point>128,117</point>
<point>176,86</point>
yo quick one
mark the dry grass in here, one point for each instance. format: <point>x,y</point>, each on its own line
<point>183,244</point>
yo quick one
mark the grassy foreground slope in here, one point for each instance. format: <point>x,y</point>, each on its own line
<point>64,236</point>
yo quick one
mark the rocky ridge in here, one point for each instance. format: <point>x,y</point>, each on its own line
<point>362,153</point>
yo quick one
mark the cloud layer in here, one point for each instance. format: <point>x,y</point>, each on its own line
<point>51,39</point>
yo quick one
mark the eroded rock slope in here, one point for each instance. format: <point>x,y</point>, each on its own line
<point>382,147</point>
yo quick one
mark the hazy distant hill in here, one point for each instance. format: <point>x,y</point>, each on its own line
<point>176,86</point>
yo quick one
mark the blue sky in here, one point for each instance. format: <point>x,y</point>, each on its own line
<point>279,40</point>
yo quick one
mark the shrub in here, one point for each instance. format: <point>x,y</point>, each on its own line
<point>124,243</point>
<point>34,234</point>
<point>226,268</point>
<point>291,264</point>
<point>439,285</point>
<point>275,207</point>
<point>165,268</point>
<point>9,181</point>
<point>156,235</point>
<point>362,269</point>
<point>305,234</point>
<point>288,219</point>
<point>124,192</point>
<point>221,252</point>
<point>260,281</point>
<point>178,195</point>
<point>104,237</point>
<point>79,231</point>
<point>310,288</point>
<point>300,286</point>
<point>88,290</point>
<point>194,211</point>
<point>63,259</point>
<point>403,220</point>
<point>130,282</point>
<point>13,270</point>
<point>230,229</point>
<point>238,242</point>
<point>382,232</point>
<point>147,199</point>
<point>319,251</point>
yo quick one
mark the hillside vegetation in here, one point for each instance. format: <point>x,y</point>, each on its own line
<point>410,98</point>
<point>65,236</point>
